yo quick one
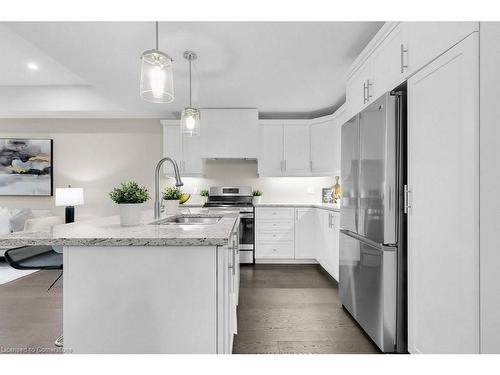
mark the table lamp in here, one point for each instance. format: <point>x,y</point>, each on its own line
<point>69,197</point>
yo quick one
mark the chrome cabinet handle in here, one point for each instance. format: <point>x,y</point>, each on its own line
<point>403,65</point>
<point>364,92</point>
<point>368,95</point>
<point>311,165</point>
<point>281,166</point>
<point>406,199</point>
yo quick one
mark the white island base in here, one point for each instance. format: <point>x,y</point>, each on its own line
<point>150,299</point>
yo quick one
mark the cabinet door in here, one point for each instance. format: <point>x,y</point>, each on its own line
<point>172,147</point>
<point>270,160</point>
<point>193,163</point>
<point>428,40</point>
<point>321,237</point>
<point>389,61</point>
<point>443,271</point>
<point>297,157</point>
<point>322,150</point>
<point>305,228</point>
<point>356,89</point>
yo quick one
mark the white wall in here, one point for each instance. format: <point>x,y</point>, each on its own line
<point>93,154</point>
<point>275,189</point>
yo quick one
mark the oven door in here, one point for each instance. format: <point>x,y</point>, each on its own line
<point>247,237</point>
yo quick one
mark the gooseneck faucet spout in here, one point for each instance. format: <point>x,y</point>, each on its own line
<point>178,182</point>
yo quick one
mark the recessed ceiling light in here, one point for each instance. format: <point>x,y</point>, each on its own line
<point>32,66</point>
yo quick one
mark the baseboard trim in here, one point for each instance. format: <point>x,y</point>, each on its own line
<point>285,261</point>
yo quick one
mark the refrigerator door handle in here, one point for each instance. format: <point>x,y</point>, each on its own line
<point>366,241</point>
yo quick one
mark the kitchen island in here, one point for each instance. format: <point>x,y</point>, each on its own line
<point>151,288</point>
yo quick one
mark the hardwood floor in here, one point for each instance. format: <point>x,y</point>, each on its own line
<point>31,317</point>
<point>294,309</point>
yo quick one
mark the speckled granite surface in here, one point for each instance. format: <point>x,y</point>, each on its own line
<point>325,206</point>
<point>108,232</point>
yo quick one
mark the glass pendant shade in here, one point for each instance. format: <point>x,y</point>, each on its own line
<point>190,121</point>
<point>157,84</point>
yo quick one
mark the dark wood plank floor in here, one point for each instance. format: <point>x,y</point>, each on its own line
<point>31,317</point>
<point>294,309</point>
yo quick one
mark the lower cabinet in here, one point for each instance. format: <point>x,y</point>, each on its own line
<point>328,237</point>
<point>298,235</point>
<point>305,228</point>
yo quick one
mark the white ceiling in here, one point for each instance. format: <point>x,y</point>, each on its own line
<point>92,69</point>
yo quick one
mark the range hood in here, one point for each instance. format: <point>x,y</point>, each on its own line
<point>230,133</point>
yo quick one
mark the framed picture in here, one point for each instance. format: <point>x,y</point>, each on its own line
<point>26,167</point>
<point>327,195</point>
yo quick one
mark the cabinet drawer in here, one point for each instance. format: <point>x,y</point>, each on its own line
<point>271,226</point>
<point>274,250</point>
<point>267,213</point>
<point>274,236</point>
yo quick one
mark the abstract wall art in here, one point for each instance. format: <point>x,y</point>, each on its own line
<point>26,166</point>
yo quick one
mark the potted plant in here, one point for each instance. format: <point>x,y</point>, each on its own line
<point>171,196</point>
<point>257,196</point>
<point>204,196</point>
<point>129,196</point>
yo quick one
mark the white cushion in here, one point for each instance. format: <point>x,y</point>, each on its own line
<point>17,219</point>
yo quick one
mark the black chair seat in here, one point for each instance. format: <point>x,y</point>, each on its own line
<point>34,258</point>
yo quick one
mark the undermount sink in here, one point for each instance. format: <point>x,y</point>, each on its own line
<point>190,220</point>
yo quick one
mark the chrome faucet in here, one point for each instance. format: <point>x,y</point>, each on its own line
<point>178,182</point>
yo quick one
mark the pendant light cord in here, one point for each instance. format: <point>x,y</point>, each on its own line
<point>156,24</point>
<point>189,82</point>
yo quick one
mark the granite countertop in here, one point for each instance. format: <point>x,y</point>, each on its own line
<point>325,206</point>
<point>107,231</point>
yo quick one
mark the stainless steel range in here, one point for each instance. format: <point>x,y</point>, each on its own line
<point>237,198</point>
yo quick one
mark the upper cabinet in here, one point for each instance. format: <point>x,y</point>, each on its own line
<point>398,51</point>
<point>270,161</point>
<point>296,149</point>
<point>325,144</point>
<point>230,133</point>
<point>428,40</point>
<point>186,151</point>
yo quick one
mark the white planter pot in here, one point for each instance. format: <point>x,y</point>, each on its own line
<point>257,200</point>
<point>204,200</point>
<point>130,214</point>
<point>172,206</point>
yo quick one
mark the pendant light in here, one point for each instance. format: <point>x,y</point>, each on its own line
<point>190,119</point>
<point>157,84</point>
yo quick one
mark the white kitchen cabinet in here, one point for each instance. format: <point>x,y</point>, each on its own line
<point>305,233</point>
<point>327,247</point>
<point>323,146</point>
<point>443,246</point>
<point>428,40</point>
<point>274,233</point>
<point>390,61</point>
<point>186,151</point>
<point>192,162</point>
<point>358,88</point>
<point>270,159</point>
<point>296,149</point>
<point>230,133</point>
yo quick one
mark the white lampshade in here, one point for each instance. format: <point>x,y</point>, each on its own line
<point>157,84</point>
<point>190,121</point>
<point>69,196</point>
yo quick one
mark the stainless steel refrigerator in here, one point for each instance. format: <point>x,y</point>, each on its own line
<point>372,281</point>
